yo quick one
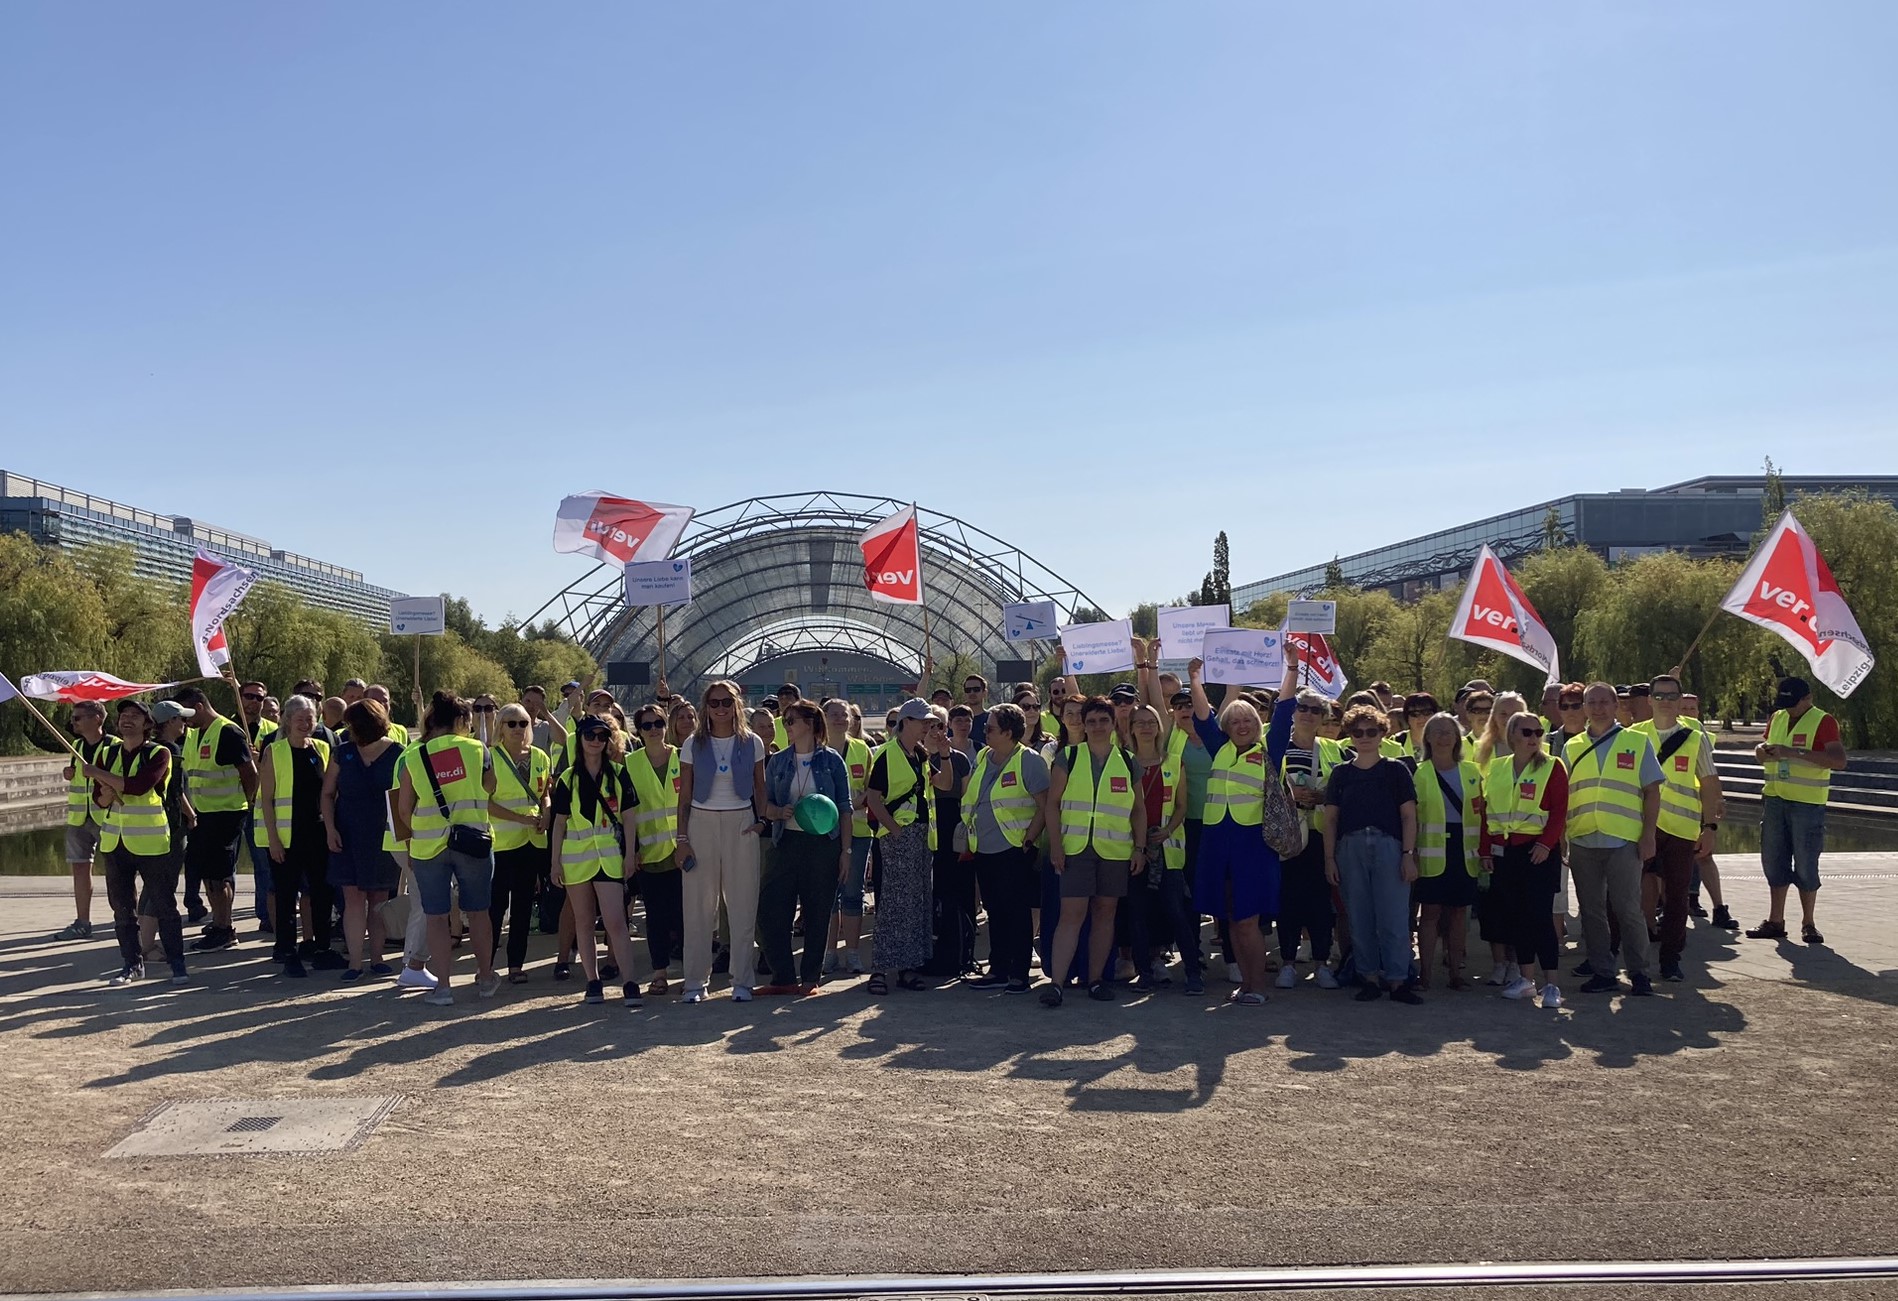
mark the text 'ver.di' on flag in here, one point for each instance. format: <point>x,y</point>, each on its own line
<point>1788,588</point>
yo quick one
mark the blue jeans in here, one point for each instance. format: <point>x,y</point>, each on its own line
<point>1377,900</point>
<point>1792,836</point>
<point>474,877</point>
<point>850,888</point>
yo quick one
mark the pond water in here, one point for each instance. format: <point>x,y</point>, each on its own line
<point>42,852</point>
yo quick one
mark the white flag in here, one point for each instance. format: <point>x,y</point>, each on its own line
<point>217,586</point>
<point>618,530</point>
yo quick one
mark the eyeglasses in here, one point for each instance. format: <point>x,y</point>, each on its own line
<point>1366,733</point>
<point>1421,711</point>
<point>484,709</point>
<point>1571,702</point>
<point>652,725</point>
<point>1479,709</point>
<point>515,722</point>
<point>719,702</point>
<point>971,691</point>
<point>1303,709</point>
<point>1528,731</point>
<point>252,698</point>
<point>1665,695</point>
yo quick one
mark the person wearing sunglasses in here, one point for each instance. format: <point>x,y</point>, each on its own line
<point>1525,816</point>
<point>1614,806</point>
<point>806,866</point>
<point>721,817</point>
<point>653,768</point>
<point>1304,888</point>
<point>1371,853</point>
<point>1419,708</point>
<point>1474,712</point>
<point>521,810</point>
<point>1692,805</point>
<point>1449,851</point>
<point>589,801</point>
<point>220,782</point>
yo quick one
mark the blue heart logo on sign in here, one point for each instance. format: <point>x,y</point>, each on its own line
<point>678,567</point>
<point>1078,666</point>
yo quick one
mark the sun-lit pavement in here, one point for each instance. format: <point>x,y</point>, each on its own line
<point>1748,1112</point>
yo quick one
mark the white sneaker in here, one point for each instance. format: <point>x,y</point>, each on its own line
<point>1034,960</point>
<point>1512,973</point>
<point>1327,978</point>
<point>853,963</point>
<point>439,998</point>
<point>741,993</point>
<point>1520,988</point>
<point>1551,996</point>
<point>1124,970</point>
<point>410,978</point>
<point>696,994</point>
<point>1232,973</point>
<point>1288,977</point>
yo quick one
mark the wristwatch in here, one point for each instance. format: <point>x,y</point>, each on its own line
<point>1710,826</point>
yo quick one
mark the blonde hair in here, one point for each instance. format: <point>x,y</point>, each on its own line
<point>1233,709</point>
<point>741,727</point>
<point>1495,733</point>
<point>1509,727</point>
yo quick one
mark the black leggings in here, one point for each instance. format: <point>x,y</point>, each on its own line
<point>1305,902</point>
<point>665,914</point>
<point>518,874</point>
<point>1009,888</point>
<point>305,869</point>
<point>1522,894</point>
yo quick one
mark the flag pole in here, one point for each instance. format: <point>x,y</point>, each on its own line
<point>929,645</point>
<point>1692,645</point>
<point>662,641</point>
<point>58,735</point>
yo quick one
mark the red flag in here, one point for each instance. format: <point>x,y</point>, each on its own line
<point>217,586</point>
<point>81,684</point>
<point>1495,613</point>
<point>1319,667</point>
<point>618,530</point>
<point>893,560</point>
<point>1788,588</point>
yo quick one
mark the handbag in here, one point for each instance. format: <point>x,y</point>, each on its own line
<point>1282,822</point>
<point>471,841</point>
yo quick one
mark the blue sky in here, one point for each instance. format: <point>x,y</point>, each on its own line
<point>1101,278</point>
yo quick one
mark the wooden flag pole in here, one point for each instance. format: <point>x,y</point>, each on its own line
<point>58,735</point>
<point>418,664</point>
<point>1695,643</point>
<point>662,642</point>
<point>929,656</point>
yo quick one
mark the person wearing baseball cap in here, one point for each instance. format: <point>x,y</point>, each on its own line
<point>1801,751</point>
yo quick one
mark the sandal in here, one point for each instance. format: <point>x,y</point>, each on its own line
<point>912,982</point>
<point>1768,930</point>
<point>877,985</point>
<point>1810,934</point>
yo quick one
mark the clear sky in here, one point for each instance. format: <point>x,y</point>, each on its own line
<point>1102,278</point>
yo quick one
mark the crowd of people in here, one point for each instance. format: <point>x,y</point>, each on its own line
<point>1102,841</point>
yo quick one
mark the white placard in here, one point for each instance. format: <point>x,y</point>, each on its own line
<point>1099,647</point>
<point>1243,657</point>
<point>1182,627</point>
<point>659,582</point>
<point>418,616</point>
<point>1311,616</point>
<point>1029,620</point>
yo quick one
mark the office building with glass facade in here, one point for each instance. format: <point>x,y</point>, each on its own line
<point>1718,515</point>
<point>163,545</point>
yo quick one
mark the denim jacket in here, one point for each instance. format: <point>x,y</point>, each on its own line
<point>828,774</point>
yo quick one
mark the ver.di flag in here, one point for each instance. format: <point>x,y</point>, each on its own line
<point>893,559</point>
<point>217,586</point>
<point>71,685</point>
<point>618,530</point>
<point>1318,664</point>
<point>1495,613</point>
<point>1788,588</point>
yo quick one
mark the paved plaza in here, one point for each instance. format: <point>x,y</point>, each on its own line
<point>1749,1112</point>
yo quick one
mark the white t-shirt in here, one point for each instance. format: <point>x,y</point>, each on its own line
<point>724,794</point>
<point>802,782</point>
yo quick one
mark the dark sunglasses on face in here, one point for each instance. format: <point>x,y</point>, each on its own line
<point>720,702</point>
<point>594,734</point>
<point>1304,709</point>
<point>516,722</point>
<point>1420,712</point>
<point>1365,733</point>
<point>1570,704</point>
<point>652,724</point>
<point>1479,709</point>
<point>1665,695</point>
<point>252,698</point>
<point>1528,731</point>
<point>484,709</point>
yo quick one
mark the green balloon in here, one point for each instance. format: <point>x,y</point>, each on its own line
<point>816,814</point>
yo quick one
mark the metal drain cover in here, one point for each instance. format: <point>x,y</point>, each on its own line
<point>236,1127</point>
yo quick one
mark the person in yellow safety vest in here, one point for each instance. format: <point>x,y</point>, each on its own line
<point>442,800</point>
<point>590,802</point>
<point>289,828</point>
<point>1801,751</point>
<point>1525,815</point>
<point>136,842</point>
<point>1419,708</point>
<point>84,817</point>
<point>655,772</point>
<point>846,927</point>
<point>788,695</point>
<point>1099,846</point>
<point>520,809</point>
<point>901,778</point>
<point>220,780</point>
<point>1004,809</point>
<point>380,694</point>
<point>1449,786</point>
<point>1614,807</point>
<point>1691,807</point>
<point>259,713</point>
<point>1159,915</point>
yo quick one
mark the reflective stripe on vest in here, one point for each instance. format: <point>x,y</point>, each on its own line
<point>282,791</point>
<point>1795,779</point>
<point>1680,780</point>
<point>516,798</point>
<point>462,788</point>
<point>1433,818</point>
<point>589,848</point>
<point>213,788</point>
<point>656,823</point>
<point>900,771</point>
<point>1008,800</point>
<point>1172,782</point>
<point>1099,815</point>
<point>1512,802</point>
<point>857,759</point>
<point>1604,789</point>
<point>1236,786</point>
<point>79,806</point>
<point>137,820</point>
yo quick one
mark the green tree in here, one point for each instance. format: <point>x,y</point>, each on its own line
<point>51,617</point>
<point>1560,584</point>
<point>1222,570</point>
<point>1146,619</point>
<point>1553,532</point>
<point>1334,576</point>
<point>1772,497</point>
<point>1858,537</point>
